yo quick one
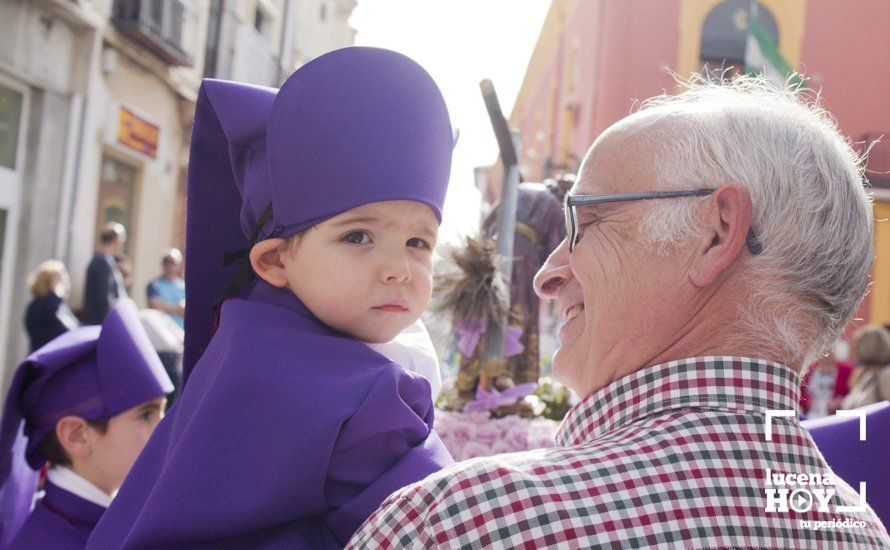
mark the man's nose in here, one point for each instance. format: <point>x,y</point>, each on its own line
<point>554,273</point>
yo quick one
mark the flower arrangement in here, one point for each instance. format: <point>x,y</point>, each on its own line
<point>552,400</point>
<point>473,434</point>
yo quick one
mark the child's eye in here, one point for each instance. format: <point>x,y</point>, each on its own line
<point>358,237</point>
<point>417,242</point>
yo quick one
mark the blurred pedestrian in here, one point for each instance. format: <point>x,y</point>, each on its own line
<point>167,292</point>
<point>125,266</point>
<point>104,281</point>
<point>824,386</point>
<point>871,381</point>
<point>48,314</point>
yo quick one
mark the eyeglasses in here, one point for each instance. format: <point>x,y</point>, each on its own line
<point>573,201</point>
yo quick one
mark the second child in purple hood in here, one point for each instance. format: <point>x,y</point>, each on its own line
<point>291,430</point>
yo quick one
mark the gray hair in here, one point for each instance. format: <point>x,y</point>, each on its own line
<point>810,209</point>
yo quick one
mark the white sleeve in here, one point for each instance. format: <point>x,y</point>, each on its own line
<point>412,349</point>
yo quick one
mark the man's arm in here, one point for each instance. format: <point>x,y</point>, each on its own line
<point>156,302</point>
<point>172,309</point>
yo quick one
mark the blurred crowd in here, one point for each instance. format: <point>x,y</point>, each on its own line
<point>107,280</point>
<point>834,383</point>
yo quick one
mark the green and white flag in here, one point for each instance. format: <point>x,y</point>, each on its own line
<point>762,54</point>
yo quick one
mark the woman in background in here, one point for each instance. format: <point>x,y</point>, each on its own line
<point>871,381</point>
<point>48,315</point>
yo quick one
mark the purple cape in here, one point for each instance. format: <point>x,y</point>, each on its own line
<point>60,521</point>
<point>288,435</point>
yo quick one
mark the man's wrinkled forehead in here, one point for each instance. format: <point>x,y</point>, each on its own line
<point>620,160</point>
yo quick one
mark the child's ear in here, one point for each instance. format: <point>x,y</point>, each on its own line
<point>71,431</point>
<point>266,257</point>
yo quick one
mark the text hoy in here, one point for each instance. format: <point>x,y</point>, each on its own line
<point>803,499</point>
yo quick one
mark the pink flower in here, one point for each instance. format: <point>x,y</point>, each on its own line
<point>463,432</point>
<point>474,449</point>
<point>501,446</point>
<point>509,421</point>
<point>487,434</point>
<point>478,417</point>
<point>517,438</point>
<point>456,449</point>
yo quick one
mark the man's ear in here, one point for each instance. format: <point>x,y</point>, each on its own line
<point>71,431</point>
<point>727,221</point>
<point>266,259</point>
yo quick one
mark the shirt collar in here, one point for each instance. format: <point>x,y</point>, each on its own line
<point>732,384</point>
<point>74,483</point>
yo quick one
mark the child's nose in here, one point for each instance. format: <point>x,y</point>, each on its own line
<point>395,269</point>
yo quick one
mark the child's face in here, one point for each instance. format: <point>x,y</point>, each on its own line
<point>367,272</point>
<point>114,452</point>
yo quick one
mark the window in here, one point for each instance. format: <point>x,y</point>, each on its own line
<point>211,52</point>
<point>117,191</point>
<point>265,20</point>
<point>725,33</point>
<point>10,122</point>
<point>2,235</point>
<point>259,20</point>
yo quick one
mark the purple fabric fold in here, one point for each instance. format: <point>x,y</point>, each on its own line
<point>471,331</point>
<point>494,399</point>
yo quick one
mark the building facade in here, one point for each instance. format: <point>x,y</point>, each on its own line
<point>96,105</point>
<point>595,58</point>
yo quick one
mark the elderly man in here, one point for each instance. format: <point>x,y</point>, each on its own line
<point>718,240</point>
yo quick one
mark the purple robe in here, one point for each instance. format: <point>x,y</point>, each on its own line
<point>288,435</point>
<point>60,521</point>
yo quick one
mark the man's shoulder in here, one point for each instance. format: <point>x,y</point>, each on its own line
<point>545,473</point>
<point>99,261</point>
<point>495,476</point>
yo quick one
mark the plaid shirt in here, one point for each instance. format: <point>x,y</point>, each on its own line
<point>673,455</point>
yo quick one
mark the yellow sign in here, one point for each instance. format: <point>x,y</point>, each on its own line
<point>137,133</point>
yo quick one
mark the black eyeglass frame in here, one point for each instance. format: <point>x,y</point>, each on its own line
<point>571,201</point>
